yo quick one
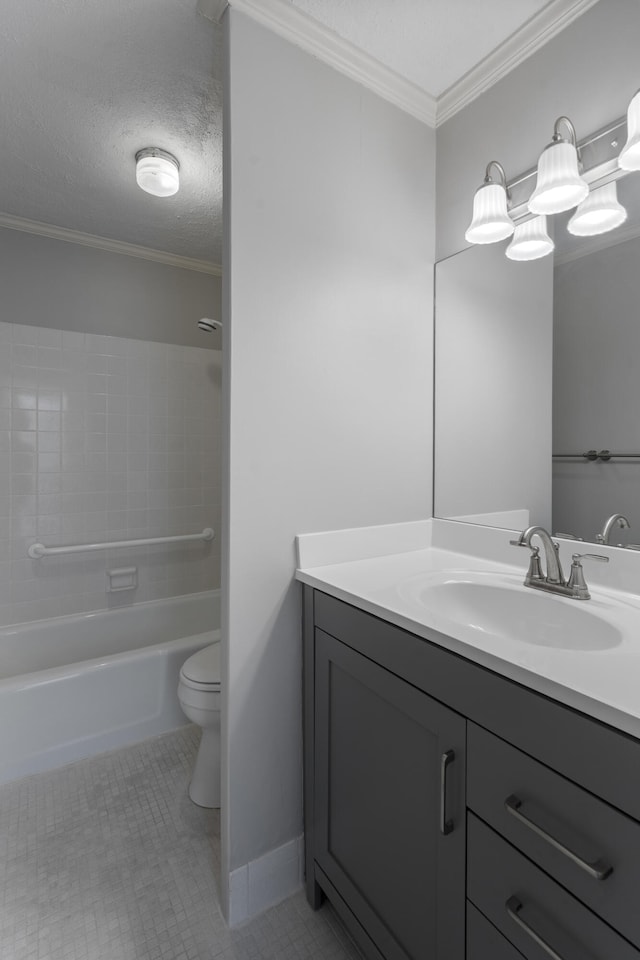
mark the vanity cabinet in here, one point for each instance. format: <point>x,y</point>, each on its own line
<point>451,812</point>
<point>389,804</point>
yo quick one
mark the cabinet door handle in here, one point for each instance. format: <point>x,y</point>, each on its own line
<point>446,826</point>
<point>598,869</point>
<point>514,907</point>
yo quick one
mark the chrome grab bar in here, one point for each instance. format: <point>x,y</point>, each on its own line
<point>592,455</point>
<point>38,550</point>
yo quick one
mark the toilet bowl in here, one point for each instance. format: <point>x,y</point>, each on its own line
<point>199,696</point>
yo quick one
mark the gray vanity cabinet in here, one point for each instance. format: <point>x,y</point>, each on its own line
<point>389,804</point>
<point>421,765</point>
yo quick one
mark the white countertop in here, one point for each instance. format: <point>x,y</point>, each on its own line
<point>382,569</point>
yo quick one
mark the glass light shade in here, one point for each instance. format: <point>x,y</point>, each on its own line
<point>629,158</point>
<point>559,186</point>
<point>491,221</point>
<point>599,213</point>
<point>157,172</point>
<point>530,240</point>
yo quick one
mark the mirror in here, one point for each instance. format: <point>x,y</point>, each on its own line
<point>536,365</point>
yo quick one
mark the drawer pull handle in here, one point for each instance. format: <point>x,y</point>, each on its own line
<point>514,907</point>
<point>446,826</point>
<point>598,869</point>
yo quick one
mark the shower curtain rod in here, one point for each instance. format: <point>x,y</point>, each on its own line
<point>38,550</point>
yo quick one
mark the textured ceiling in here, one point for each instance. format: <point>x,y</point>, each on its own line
<point>432,43</point>
<point>84,85</point>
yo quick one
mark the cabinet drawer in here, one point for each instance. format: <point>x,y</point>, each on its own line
<point>484,941</point>
<point>530,908</point>
<point>589,847</point>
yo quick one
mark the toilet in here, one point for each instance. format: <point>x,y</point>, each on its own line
<point>199,696</point>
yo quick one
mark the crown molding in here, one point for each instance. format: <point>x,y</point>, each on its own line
<point>310,35</point>
<point>212,9</point>
<point>534,34</point>
<point>9,222</point>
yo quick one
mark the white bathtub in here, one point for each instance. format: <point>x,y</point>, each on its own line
<point>75,686</point>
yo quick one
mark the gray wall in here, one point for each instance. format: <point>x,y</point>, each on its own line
<point>589,72</point>
<point>330,206</point>
<point>493,337</point>
<point>54,283</point>
<point>596,390</point>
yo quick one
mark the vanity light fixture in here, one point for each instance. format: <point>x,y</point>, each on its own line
<point>491,221</point>
<point>599,213</point>
<point>530,240</point>
<point>157,172</point>
<point>559,185</point>
<point>629,158</point>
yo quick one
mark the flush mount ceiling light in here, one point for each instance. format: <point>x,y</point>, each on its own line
<point>599,213</point>
<point>530,240</point>
<point>559,186</point>
<point>629,158</point>
<point>491,221</point>
<point>157,172</point>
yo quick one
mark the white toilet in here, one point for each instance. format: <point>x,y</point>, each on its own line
<point>199,696</point>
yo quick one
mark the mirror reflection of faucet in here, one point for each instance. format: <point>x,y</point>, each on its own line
<point>554,580</point>
<point>616,518</point>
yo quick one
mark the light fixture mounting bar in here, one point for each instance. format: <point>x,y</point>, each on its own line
<point>599,155</point>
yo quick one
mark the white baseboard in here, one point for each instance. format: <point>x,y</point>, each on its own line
<point>266,881</point>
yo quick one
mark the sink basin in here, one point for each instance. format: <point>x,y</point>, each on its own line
<point>507,609</point>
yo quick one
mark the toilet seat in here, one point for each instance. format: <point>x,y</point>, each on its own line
<point>201,671</point>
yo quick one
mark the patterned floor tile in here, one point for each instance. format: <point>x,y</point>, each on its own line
<point>108,859</point>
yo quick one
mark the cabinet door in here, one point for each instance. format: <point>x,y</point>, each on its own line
<point>389,805</point>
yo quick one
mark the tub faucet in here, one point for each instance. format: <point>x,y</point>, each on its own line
<point>622,522</point>
<point>554,580</point>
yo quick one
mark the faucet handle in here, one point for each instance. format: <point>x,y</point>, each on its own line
<point>576,582</point>
<point>534,573</point>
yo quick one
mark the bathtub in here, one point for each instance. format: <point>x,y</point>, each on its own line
<point>72,687</point>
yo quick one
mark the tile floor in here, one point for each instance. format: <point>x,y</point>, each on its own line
<point>108,859</point>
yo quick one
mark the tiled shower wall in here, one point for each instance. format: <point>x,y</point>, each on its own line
<point>104,438</point>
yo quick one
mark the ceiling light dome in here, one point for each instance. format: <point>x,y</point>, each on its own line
<point>629,158</point>
<point>559,185</point>
<point>157,172</point>
<point>530,240</point>
<point>491,221</point>
<point>599,213</point>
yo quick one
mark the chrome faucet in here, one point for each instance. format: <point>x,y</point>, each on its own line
<point>622,522</point>
<point>554,573</point>
<point>554,580</point>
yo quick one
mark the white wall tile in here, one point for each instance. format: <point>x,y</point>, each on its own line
<point>103,437</point>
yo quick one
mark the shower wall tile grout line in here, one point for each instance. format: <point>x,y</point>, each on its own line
<point>104,438</point>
